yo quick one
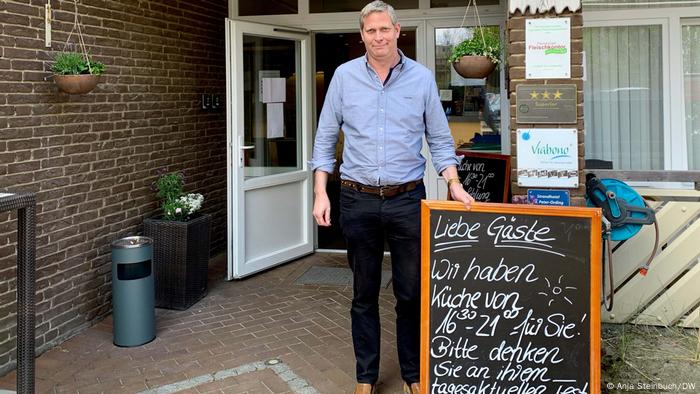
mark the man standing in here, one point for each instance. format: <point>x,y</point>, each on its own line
<point>385,103</point>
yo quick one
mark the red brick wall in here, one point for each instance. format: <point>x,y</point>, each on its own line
<point>91,158</point>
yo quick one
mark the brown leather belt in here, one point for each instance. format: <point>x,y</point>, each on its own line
<point>382,191</point>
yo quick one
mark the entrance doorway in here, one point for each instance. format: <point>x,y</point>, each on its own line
<point>332,50</point>
<point>269,139</point>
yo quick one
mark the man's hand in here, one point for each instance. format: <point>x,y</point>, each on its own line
<point>322,209</point>
<point>458,193</point>
<point>322,205</point>
<point>456,188</point>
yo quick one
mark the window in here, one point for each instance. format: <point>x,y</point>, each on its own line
<point>318,6</point>
<point>247,7</point>
<point>691,92</point>
<point>623,101</point>
<point>472,106</point>
<point>458,3</point>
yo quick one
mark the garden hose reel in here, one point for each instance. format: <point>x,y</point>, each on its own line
<point>624,214</point>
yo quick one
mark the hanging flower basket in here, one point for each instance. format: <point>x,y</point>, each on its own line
<point>73,71</point>
<point>76,84</point>
<point>474,66</point>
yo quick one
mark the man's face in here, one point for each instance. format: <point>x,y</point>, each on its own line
<point>380,35</point>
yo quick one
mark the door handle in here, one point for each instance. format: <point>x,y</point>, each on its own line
<point>242,144</point>
<point>243,147</point>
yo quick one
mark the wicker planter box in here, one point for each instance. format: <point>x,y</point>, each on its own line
<point>180,260</point>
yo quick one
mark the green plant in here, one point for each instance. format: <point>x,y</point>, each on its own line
<point>176,205</point>
<point>74,63</point>
<point>485,41</point>
<point>169,185</point>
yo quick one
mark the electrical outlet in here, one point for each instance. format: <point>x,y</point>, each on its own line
<point>215,101</point>
<point>206,101</point>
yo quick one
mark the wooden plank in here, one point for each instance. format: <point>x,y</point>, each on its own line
<point>692,320</point>
<point>649,176</point>
<point>635,251</point>
<point>641,289</point>
<point>674,303</point>
<point>668,194</point>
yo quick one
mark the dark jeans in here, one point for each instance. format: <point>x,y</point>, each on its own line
<point>367,221</point>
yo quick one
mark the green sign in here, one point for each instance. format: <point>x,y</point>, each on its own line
<point>545,104</point>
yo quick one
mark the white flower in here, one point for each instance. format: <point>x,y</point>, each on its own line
<point>192,202</point>
<point>178,210</point>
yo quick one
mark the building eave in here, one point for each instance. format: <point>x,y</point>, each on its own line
<point>543,6</point>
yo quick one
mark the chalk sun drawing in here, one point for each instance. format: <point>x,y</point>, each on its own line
<point>557,291</point>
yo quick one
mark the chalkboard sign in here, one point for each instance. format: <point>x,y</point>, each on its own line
<point>510,299</point>
<point>486,176</point>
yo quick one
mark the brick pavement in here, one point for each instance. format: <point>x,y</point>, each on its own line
<point>237,325</point>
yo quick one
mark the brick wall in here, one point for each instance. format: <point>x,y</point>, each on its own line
<point>516,71</point>
<point>91,158</point>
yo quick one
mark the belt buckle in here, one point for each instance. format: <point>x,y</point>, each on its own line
<point>381,191</point>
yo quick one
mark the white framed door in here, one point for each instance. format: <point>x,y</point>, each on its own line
<point>268,89</point>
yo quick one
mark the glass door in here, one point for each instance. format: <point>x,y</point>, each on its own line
<point>269,131</point>
<point>331,50</point>
<point>476,109</point>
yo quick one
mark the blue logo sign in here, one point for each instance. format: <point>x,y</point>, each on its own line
<point>558,198</point>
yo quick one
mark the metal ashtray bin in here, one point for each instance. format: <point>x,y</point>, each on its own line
<point>133,294</point>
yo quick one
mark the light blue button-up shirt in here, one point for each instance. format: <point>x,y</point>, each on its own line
<point>383,124</point>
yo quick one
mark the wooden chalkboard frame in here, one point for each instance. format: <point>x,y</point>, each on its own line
<point>492,156</point>
<point>594,214</point>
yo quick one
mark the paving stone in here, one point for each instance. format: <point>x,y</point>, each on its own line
<point>236,324</point>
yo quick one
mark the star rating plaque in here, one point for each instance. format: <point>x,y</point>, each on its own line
<point>545,104</point>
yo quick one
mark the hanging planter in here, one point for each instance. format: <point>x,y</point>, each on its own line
<point>474,66</point>
<point>76,84</point>
<point>75,72</point>
<point>477,56</point>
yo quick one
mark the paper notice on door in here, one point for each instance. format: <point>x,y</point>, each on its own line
<point>273,90</point>
<point>275,120</point>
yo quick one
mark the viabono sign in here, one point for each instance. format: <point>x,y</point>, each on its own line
<point>552,151</point>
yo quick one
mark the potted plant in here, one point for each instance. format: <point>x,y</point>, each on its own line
<point>477,56</point>
<point>76,73</point>
<point>180,244</point>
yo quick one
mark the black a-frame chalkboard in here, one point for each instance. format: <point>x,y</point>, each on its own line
<point>510,299</point>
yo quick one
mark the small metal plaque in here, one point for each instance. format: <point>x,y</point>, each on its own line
<point>545,104</point>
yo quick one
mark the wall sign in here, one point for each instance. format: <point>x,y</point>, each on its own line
<point>548,48</point>
<point>546,104</point>
<point>486,176</point>
<point>510,299</point>
<point>557,198</point>
<point>547,157</point>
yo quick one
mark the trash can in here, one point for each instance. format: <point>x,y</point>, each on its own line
<point>133,294</point>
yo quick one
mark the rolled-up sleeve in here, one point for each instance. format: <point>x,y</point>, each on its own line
<point>440,141</point>
<point>329,124</point>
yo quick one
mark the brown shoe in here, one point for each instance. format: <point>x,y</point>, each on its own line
<point>365,388</point>
<point>413,388</point>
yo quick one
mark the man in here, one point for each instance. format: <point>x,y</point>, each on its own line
<point>385,103</point>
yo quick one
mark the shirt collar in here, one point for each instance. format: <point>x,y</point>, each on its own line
<point>402,60</point>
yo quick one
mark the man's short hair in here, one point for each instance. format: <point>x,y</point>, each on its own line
<point>378,6</point>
